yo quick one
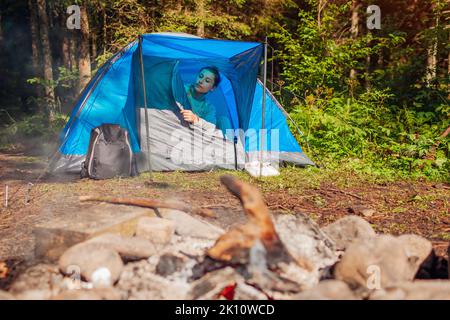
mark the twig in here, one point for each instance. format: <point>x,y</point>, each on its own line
<point>216,206</point>
<point>279,206</point>
<point>346,193</point>
<point>150,203</point>
<point>190,256</point>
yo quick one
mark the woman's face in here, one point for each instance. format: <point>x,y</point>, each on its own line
<point>205,81</point>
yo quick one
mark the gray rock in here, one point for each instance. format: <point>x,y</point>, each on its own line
<point>91,294</point>
<point>93,261</point>
<point>38,282</point>
<point>368,212</point>
<point>211,285</point>
<point>417,248</point>
<point>348,229</point>
<point>327,290</point>
<point>67,228</point>
<point>34,295</point>
<point>361,210</point>
<point>243,291</point>
<point>304,239</point>
<point>139,282</point>
<point>129,248</point>
<point>4,295</point>
<point>417,290</point>
<point>187,225</point>
<point>387,294</point>
<point>155,229</point>
<point>374,263</point>
<point>168,264</point>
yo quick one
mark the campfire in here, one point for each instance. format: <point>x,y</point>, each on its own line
<point>177,253</point>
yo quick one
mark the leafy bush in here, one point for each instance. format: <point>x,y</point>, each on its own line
<point>31,131</point>
<point>373,123</point>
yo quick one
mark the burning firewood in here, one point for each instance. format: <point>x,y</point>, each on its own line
<point>3,270</point>
<point>154,204</point>
<point>253,249</point>
<point>234,247</point>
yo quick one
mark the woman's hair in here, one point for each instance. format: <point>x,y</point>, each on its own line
<point>215,72</point>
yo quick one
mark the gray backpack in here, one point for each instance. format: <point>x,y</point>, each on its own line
<point>109,154</point>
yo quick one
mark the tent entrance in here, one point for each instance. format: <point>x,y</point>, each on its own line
<point>165,84</point>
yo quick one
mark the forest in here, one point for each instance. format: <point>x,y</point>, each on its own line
<point>365,87</point>
<point>375,99</point>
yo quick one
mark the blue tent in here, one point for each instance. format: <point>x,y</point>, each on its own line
<point>151,72</point>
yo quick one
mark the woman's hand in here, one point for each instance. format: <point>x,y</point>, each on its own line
<point>189,116</point>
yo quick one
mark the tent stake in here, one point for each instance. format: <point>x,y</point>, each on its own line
<point>6,196</point>
<point>144,92</point>
<point>263,125</point>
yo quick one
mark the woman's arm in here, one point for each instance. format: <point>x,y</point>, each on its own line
<point>189,116</point>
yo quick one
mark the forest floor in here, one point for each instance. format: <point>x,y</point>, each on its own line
<point>396,207</point>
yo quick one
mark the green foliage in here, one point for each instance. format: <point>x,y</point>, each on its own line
<point>216,22</point>
<point>313,58</point>
<point>31,130</point>
<point>101,59</point>
<point>373,135</point>
<point>66,79</point>
<point>384,121</point>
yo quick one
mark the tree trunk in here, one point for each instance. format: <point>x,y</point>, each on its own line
<point>201,17</point>
<point>354,29</point>
<point>104,30</point>
<point>46,57</point>
<point>1,30</point>
<point>448,64</point>
<point>73,51</point>
<point>431,62</point>
<point>432,51</point>
<point>65,94</point>
<point>84,62</point>
<point>368,72</point>
<point>36,55</point>
<point>65,43</point>
<point>94,46</point>
<point>446,14</point>
<point>34,28</point>
<point>380,59</point>
<point>320,6</point>
<point>65,51</point>
<point>448,57</point>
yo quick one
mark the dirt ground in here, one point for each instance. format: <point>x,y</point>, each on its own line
<point>394,207</point>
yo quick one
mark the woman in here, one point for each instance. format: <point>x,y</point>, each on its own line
<point>207,80</point>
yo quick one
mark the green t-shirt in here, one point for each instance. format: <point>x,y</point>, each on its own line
<point>201,107</point>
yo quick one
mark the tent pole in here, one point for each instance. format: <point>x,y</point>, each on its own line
<point>263,116</point>
<point>144,92</point>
